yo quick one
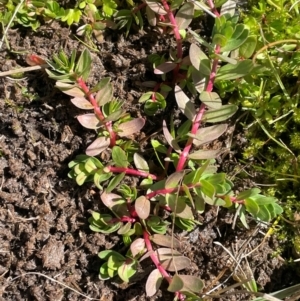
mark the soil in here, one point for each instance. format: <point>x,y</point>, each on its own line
<point>47,251</point>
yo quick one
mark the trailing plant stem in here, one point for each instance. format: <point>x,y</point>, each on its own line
<point>98,111</point>
<point>186,150</point>
<point>130,171</point>
<point>175,28</point>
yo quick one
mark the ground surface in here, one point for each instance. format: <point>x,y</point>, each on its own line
<point>45,243</point>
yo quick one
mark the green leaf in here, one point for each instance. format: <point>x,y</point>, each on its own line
<point>219,39</point>
<point>252,207</point>
<point>115,182</point>
<point>263,214</point>
<point>176,284</point>
<point>191,283</point>
<point>218,115</point>
<point>119,157</point>
<point>239,36</point>
<point>248,193</point>
<point>83,66</point>
<point>127,270</point>
<point>238,70</point>
<point>207,188</point>
<point>104,255</point>
<point>211,99</point>
<point>199,60</point>
<point>247,49</point>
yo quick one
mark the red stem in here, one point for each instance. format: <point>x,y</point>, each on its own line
<point>213,8</point>
<point>189,143</point>
<point>139,7</point>
<point>98,112</point>
<point>133,172</point>
<point>154,258</point>
<point>175,28</point>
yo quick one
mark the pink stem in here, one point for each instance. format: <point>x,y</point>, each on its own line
<point>213,8</point>
<point>154,258</point>
<point>98,112</point>
<point>189,143</point>
<point>130,171</point>
<point>175,28</point>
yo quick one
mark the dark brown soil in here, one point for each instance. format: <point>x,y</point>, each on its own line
<point>47,251</point>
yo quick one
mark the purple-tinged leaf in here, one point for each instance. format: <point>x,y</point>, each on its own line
<point>98,146</point>
<point>179,206</point>
<point>157,7</point>
<point>205,154</point>
<point>137,246</point>
<point>184,103</point>
<point>140,163</point>
<point>130,127</point>
<point>89,121</point>
<point>69,89</point>
<point>176,263</point>
<point>105,93</point>
<point>165,68</point>
<point>170,139</point>
<point>115,203</point>
<point>199,60</point>
<point>153,282</point>
<point>185,15</point>
<point>173,180</point>
<point>165,241</point>
<point>176,284</point>
<point>124,229</point>
<point>142,207</point>
<point>82,103</point>
<point>191,284</point>
<point>199,80</point>
<point>151,16</point>
<point>211,99</point>
<point>221,114</point>
<point>208,134</point>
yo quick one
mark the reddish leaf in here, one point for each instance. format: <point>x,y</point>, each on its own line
<point>137,246</point>
<point>184,104</point>
<point>69,89</point>
<point>82,103</point>
<point>165,241</point>
<point>142,207</point>
<point>89,121</point>
<point>176,263</point>
<point>165,68</point>
<point>185,15</point>
<point>209,134</point>
<point>98,146</point>
<point>140,163</point>
<point>115,203</point>
<point>153,282</point>
<point>130,127</point>
<point>157,7</point>
<point>173,180</point>
<point>191,284</point>
<point>205,154</point>
<point>169,138</point>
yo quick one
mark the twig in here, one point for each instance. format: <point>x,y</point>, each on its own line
<point>9,23</point>
<point>25,69</point>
